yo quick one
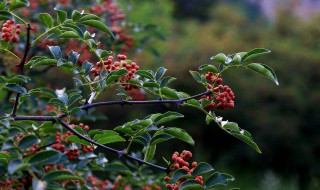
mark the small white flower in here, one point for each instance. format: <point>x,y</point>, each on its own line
<point>223,123</point>
<point>218,119</point>
<point>60,92</point>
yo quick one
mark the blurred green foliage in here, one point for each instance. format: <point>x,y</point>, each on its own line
<point>283,120</point>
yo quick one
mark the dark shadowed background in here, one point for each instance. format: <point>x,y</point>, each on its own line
<point>282,119</point>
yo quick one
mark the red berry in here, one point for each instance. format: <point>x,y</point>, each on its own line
<point>14,38</point>
<point>10,22</point>
<point>166,178</point>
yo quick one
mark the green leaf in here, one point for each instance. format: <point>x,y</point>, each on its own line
<point>89,17</point>
<point>15,4</point>
<point>8,145</point>
<point>61,16</point>
<point>110,137</point>
<point>135,82</point>
<point>209,68</point>
<point>68,35</point>
<point>74,28</point>
<point>191,185</point>
<point>3,5</point>
<point>218,179</point>
<point>196,76</point>
<point>76,139</point>
<point>169,93</point>
<point>79,130</point>
<point>179,134</point>
<point>233,129</point>
<point>159,139</point>
<point>73,98</point>
<point>45,157</point>
<point>102,53</point>
<point>75,111</point>
<point>150,152</point>
<point>16,165</point>
<point>5,156</point>
<point>202,168</point>
<point>75,15</point>
<point>118,167</point>
<point>144,73</point>
<point>56,101</point>
<point>46,19</point>
<point>28,141</point>
<point>115,75</point>
<point>15,88</point>
<point>125,130</point>
<point>56,52</point>
<point>98,25</point>
<point>166,117</point>
<point>5,45</point>
<point>205,103</point>
<point>194,102</point>
<point>220,58</point>
<point>264,70</point>
<point>254,54</point>
<point>151,85</point>
<point>60,175</point>
<point>73,57</point>
<point>5,15</point>
<point>95,131</point>
<point>19,78</point>
<point>86,66</point>
<point>165,81</point>
<point>160,72</point>
<point>209,119</point>
<point>178,174</point>
<point>236,60</point>
<point>45,62</point>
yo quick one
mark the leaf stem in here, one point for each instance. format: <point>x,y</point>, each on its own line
<point>19,18</point>
<point>46,32</point>
<point>14,55</point>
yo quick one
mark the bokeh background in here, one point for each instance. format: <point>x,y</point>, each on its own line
<point>284,120</point>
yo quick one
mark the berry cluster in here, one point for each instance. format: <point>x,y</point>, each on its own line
<point>110,66</point>
<point>31,150</point>
<point>223,96</point>
<point>72,150</point>
<point>10,31</point>
<point>224,99</point>
<point>11,184</point>
<point>214,78</point>
<point>116,17</point>
<point>180,161</point>
<point>97,183</point>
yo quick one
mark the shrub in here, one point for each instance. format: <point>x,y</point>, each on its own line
<point>45,144</point>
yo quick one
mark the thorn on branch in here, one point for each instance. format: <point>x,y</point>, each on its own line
<point>179,103</point>
<point>121,153</point>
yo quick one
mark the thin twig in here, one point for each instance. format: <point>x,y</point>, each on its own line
<point>21,66</point>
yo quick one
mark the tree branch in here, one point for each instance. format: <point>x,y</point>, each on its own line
<point>120,153</point>
<point>21,66</point>
<point>121,102</point>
